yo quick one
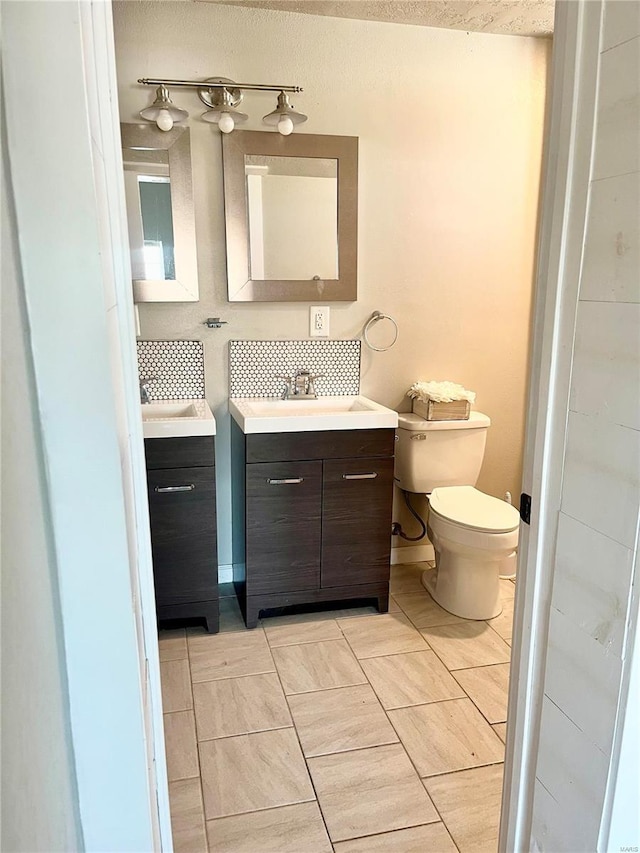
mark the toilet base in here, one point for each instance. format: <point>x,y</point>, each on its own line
<point>508,571</point>
<point>464,588</point>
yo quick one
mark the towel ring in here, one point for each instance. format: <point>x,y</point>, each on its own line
<point>375,317</point>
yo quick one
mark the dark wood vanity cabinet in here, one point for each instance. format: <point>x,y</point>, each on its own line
<point>356,520</point>
<point>182,509</point>
<point>315,514</point>
<point>283,526</point>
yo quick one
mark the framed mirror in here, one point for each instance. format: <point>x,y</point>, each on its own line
<point>291,216</point>
<point>159,198</point>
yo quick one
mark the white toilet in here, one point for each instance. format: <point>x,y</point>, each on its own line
<point>474,535</point>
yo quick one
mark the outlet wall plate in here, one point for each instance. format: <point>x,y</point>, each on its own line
<point>319,321</point>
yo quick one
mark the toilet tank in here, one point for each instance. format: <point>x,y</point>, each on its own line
<point>430,454</point>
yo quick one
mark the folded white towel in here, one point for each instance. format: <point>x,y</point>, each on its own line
<point>440,392</point>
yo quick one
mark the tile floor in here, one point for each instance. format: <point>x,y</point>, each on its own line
<point>341,730</point>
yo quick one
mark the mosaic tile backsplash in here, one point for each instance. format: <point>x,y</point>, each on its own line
<point>175,369</point>
<point>253,365</point>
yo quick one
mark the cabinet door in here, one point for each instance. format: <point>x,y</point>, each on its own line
<point>356,521</point>
<point>182,507</point>
<point>283,529</point>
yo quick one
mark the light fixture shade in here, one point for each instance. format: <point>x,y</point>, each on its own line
<point>214,116</point>
<point>223,102</point>
<point>163,102</point>
<point>284,108</point>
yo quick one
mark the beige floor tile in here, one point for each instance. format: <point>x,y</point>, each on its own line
<point>187,817</point>
<point>237,706</point>
<point>294,633</point>
<point>384,634</point>
<point>229,655</point>
<point>172,644</point>
<point>501,730</point>
<point>467,644</point>
<point>288,829</point>
<point>340,719</point>
<point>317,666</point>
<point>446,736</point>
<point>423,611</point>
<point>503,623</point>
<point>411,679</point>
<point>176,686</point>
<point>230,616</point>
<point>488,689</point>
<point>469,803</point>
<point>432,838</point>
<point>252,772</point>
<point>406,577</point>
<point>393,605</point>
<point>369,791</point>
<point>180,745</point>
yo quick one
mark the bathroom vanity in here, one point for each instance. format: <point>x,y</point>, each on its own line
<point>182,509</point>
<point>312,506</point>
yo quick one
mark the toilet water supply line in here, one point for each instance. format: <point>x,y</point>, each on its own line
<point>396,527</point>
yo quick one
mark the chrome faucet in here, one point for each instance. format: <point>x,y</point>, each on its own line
<point>300,386</point>
<point>144,388</point>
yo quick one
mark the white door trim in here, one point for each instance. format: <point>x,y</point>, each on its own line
<point>102,95</point>
<point>570,119</point>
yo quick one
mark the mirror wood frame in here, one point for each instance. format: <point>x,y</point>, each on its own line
<point>241,287</point>
<point>176,142</point>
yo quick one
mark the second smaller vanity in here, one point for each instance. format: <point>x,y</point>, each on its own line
<point>312,496</point>
<point>181,479</point>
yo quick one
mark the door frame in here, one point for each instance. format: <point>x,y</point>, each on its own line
<point>571,105</point>
<point>560,214</point>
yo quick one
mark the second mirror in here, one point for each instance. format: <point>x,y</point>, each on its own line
<point>291,211</point>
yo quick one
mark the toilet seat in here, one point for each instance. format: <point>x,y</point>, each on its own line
<point>469,508</point>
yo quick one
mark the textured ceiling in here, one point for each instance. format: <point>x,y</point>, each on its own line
<point>507,17</point>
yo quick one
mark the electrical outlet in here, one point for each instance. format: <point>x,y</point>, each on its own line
<point>319,321</point>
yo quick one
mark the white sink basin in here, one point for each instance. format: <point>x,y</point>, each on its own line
<point>177,418</point>
<point>259,415</point>
<point>163,410</point>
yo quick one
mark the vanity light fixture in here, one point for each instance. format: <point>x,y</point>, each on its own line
<point>222,96</point>
<point>284,117</point>
<point>163,111</point>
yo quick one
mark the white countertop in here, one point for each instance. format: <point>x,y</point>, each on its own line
<point>177,418</point>
<point>271,415</point>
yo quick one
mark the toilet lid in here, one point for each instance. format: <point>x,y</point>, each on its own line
<point>470,508</point>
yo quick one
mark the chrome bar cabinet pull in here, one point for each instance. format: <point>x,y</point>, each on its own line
<point>370,476</point>
<point>189,487</point>
<point>287,482</point>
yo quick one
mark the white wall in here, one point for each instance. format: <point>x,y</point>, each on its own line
<point>36,743</point>
<point>79,389</point>
<point>593,604</point>
<point>450,127</point>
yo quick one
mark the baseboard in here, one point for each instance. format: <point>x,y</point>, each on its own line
<point>225,574</point>
<point>412,554</point>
